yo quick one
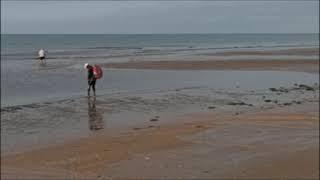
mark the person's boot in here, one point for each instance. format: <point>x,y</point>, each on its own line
<point>94,93</point>
<point>88,92</point>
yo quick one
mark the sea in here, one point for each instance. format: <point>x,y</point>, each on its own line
<point>25,81</point>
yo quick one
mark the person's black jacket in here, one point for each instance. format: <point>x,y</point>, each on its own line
<point>90,75</point>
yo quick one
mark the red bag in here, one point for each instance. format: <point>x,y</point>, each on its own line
<point>97,71</point>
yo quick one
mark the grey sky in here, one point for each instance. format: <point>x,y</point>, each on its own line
<point>159,17</point>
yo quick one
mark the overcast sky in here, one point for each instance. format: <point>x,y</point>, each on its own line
<point>71,17</point>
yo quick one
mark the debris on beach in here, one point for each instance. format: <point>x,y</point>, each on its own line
<point>154,119</point>
<point>11,109</point>
<point>281,89</point>
<point>306,87</point>
<point>297,87</point>
<point>237,103</point>
<point>211,107</point>
<point>287,104</point>
<point>297,102</point>
<point>273,89</point>
<point>199,126</point>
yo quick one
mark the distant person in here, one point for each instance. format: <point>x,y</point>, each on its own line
<point>91,79</point>
<point>42,55</point>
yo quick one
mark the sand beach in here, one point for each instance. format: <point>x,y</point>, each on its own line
<point>208,118</point>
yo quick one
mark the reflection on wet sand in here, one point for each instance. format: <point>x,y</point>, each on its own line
<point>95,118</point>
<point>42,64</point>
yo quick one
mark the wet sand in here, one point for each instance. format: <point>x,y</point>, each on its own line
<point>290,52</point>
<point>270,140</point>
<point>213,62</point>
<point>230,139</point>
<point>286,65</point>
<point>271,144</point>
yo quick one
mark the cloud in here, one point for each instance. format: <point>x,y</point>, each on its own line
<point>159,16</point>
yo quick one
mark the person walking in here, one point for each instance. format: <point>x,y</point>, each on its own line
<point>91,79</point>
<point>42,55</point>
